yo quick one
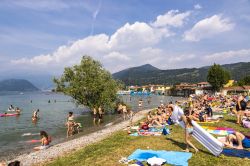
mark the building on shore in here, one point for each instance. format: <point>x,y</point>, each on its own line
<point>156,89</point>
<point>236,90</point>
<point>186,89</point>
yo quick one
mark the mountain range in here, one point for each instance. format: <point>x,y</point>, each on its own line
<point>19,85</point>
<point>148,74</point>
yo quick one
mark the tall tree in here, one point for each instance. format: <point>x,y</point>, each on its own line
<point>88,84</point>
<point>217,77</point>
<point>244,81</point>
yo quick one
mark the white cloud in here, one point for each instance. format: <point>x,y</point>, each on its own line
<point>136,35</point>
<point>208,28</point>
<point>229,56</point>
<point>151,55</point>
<point>116,56</point>
<point>181,58</point>
<point>130,44</point>
<point>197,6</point>
<point>171,18</point>
<point>92,45</point>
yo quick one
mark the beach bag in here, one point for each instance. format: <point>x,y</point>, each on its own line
<point>170,122</point>
<point>165,131</point>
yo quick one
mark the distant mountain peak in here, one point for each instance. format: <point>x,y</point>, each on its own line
<point>147,67</point>
<point>17,85</point>
<point>148,74</point>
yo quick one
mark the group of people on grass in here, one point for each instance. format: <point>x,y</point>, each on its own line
<point>238,105</point>
<point>201,108</point>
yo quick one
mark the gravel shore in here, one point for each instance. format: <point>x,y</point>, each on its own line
<point>38,157</point>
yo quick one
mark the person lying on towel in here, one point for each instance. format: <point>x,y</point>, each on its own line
<point>237,139</point>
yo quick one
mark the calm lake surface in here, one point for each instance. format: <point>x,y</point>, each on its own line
<point>52,118</point>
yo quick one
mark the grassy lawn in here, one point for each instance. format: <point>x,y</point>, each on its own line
<point>109,151</point>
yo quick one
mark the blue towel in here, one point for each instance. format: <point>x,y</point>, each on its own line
<point>172,157</point>
<point>134,134</point>
<point>236,153</point>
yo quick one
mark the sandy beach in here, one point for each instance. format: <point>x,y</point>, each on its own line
<point>39,157</point>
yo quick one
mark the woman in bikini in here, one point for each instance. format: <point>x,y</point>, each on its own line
<point>70,124</point>
<point>188,132</point>
<point>45,140</point>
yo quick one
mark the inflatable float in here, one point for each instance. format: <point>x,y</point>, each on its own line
<point>206,139</point>
<point>11,110</point>
<point>199,133</point>
<point>6,115</point>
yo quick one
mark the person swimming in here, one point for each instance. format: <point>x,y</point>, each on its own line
<point>18,111</point>
<point>11,108</point>
<point>35,115</point>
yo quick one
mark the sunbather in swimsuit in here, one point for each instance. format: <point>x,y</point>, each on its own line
<point>238,138</point>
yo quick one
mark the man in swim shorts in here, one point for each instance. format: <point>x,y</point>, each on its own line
<point>237,139</point>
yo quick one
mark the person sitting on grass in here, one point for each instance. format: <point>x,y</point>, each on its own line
<point>150,117</point>
<point>238,138</point>
<point>144,126</point>
<point>157,120</point>
<point>45,140</point>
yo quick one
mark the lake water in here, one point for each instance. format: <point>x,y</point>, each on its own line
<point>52,118</point>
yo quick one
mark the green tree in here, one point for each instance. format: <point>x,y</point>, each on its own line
<point>88,84</point>
<point>244,81</point>
<point>217,76</point>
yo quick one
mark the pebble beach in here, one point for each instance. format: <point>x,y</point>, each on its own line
<point>40,157</point>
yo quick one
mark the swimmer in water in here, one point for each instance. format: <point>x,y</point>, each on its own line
<point>35,115</point>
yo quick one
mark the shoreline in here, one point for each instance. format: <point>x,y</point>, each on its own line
<point>64,148</point>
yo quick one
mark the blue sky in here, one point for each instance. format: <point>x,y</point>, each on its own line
<point>46,36</point>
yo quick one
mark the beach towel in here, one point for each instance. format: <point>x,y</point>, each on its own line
<point>152,131</point>
<point>219,130</point>
<point>209,122</point>
<point>215,117</point>
<point>236,153</point>
<point>171,157</point>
